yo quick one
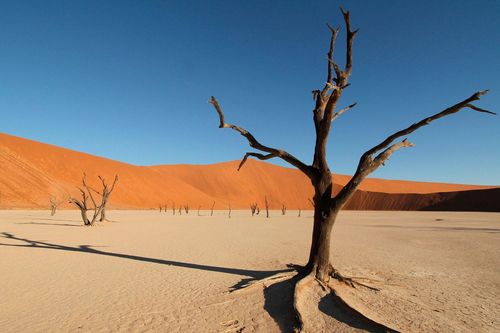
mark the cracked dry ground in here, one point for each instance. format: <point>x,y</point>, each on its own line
<point>152,272</point>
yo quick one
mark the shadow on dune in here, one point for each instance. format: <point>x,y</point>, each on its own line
<point>253,274</point>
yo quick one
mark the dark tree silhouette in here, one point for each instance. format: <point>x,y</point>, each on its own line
<point>266,204</point>
<point>325,112</point>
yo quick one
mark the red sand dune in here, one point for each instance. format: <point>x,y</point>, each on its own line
<point>32,172</point>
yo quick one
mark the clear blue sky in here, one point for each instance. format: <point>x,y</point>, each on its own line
<point>130,80</point>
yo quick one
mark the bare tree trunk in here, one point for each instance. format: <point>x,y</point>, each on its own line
<point>199,210</point>
<point>325,112</point>
<point>173,208</point>
<point>229,214</point>
<point>266,203</point>
<point>212,210</point>
<point>283,209</point>
<point>299,213</point>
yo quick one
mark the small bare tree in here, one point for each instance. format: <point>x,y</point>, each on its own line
<point>283,209</point>
<point>83,203</point>
<point>325,112</point>
<point>180,209</point>
<point>186,208</point>
<point>173,208</point>
<point>229,212</point>
<point>266,204</point>
<point>212,209</point>
<point>299,213</point>
<point>54,204</point>
<point>199,210</point>
<point>161,207</point>
<point>253,208</point>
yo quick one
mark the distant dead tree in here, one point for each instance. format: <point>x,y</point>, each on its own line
<point>299,213</point>
<point>165,208</point>
<point>212,210</point>
<point>266,204</point>
<point>283,209</point>
<point>161,207</point>
<point>257,212</point>
<point>173,208</point>
<point>199,210</point>
<point>253,208</point>
<point>325,112</point>
<point>83,204</point>
<point>180,209</point>
<point>186,208</point>
<point>54,204</point>
<point>229,213</point>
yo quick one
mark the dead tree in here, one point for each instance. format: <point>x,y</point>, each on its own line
<point>229,213</point>
<point>212,210</point>
<point>299,213</point>
<point>105,193</point>
<point>258,211</point>
<point>186,209</point>
<point>283,209</point>
<point>325,112</point>
<point>165,208</point>
<point>83,203</point>
<point>180,209</point>
<point>253,208</point>
<point>199,210</point>
<point>173,208</point>
<point>161,207</point>
<point>266,203</point>
<point>54,204</point>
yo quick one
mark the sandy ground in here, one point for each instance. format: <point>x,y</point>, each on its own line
<point>152,272</point>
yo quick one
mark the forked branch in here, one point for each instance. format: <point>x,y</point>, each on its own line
<point>272,152</point>
<point>368,163</point>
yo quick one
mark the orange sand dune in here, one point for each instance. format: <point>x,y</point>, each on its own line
<point>32,172</point>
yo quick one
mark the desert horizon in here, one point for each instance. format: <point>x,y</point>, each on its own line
<point>49,171</point>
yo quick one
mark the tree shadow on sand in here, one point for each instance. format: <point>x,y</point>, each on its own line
<point>251,274</point>
<point>278,296</point>
<point>434,228</point>
<point>56,224</point>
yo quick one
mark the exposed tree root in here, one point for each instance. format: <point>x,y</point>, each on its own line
<point>263,282</point>
<point>350,281</point>
<point>304,281</point>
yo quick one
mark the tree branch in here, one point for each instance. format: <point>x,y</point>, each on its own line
<point>339,113</point>
<point>257,155</point>
<point>307,170</point>
<point>368,164</point>
<point>324,112</point>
